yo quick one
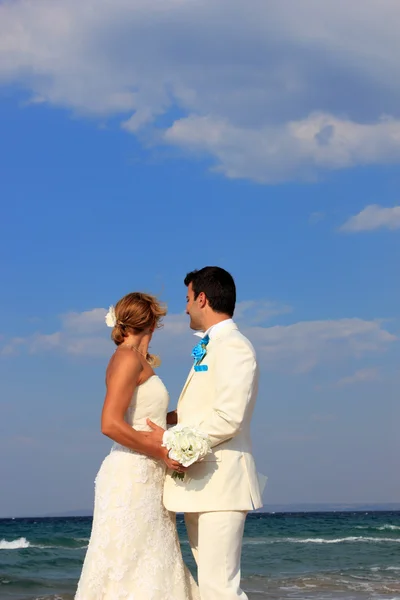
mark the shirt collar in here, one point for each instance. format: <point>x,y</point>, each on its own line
<point>213,329</point>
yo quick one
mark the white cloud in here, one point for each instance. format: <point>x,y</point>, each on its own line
<point>295,348</point>
<point>175,325</point>
<point>360,376</point>
<point>11,346</point>
<point>373,217</point>
<point>270,94</point>
<point>259,311</point>
<point>86,333</point>
<point>88,321</point>
<point>80,333</point>
<point>295,150</point>
<point>302,346</point>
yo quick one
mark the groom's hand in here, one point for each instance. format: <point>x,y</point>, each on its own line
<point>172,417</point>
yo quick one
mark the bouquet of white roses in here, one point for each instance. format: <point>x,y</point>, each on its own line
<point>186,445</point>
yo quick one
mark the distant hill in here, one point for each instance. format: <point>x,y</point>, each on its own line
<point>276,508</point>
<point>327,507</point>
<point>72,513</point>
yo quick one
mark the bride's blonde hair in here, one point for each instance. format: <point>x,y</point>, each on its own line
<point>135,313</point>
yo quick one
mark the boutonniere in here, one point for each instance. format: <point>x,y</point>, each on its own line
<point>199,352</point>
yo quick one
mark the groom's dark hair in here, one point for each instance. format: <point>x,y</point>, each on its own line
<point>218,285</point>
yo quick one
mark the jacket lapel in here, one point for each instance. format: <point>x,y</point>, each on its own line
<point>191,373</point>
<point>218,334</point>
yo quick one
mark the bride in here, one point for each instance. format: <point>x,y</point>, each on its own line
<point>134,551</point>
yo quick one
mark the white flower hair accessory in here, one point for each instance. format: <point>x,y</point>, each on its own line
<point>111,320</point>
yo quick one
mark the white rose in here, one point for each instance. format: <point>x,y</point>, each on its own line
<point>186,445</point>
<point>110,317</point>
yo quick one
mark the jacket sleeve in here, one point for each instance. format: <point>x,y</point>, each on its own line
<point>235,377</point>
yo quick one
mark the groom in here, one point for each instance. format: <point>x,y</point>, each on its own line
<point>218,398</point>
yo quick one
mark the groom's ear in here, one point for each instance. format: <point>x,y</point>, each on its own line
<point>202,299</point>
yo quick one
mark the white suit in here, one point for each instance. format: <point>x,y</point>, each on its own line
<point>218,491</point>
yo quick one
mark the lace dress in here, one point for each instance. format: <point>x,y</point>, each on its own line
<point>134,551</point>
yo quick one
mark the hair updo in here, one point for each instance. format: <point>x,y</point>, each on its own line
<point>136,313</point>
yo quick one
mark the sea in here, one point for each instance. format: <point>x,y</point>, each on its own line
<point>343,555</point>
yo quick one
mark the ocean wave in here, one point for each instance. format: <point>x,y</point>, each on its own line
<point>58,546</point>
<point>68,543</point>
<point>54,597</point>
<point>322,586</point>
<point>14,544</point>
<point>353,539</point>
<point>375,569</point>
<point>349,539</point>
<point>386,527</point>
<point>20,543</point>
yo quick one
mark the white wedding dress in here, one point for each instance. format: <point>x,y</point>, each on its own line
<point>134,551</point>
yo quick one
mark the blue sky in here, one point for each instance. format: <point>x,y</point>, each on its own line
<point>150,141</point>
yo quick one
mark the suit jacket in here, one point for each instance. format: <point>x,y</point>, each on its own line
<point>220,401</point>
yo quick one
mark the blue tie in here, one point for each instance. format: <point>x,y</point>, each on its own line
<point>205,340</point>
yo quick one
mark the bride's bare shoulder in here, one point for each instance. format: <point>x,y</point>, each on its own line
<point>123,360</point>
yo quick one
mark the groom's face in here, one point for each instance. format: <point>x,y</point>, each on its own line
<point>193,309</point>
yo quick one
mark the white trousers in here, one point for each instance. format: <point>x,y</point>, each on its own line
<point>216,542</point>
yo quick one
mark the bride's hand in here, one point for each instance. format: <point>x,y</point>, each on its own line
<point>172,464</point>
<point>157,432</point>
<point>161,452</point>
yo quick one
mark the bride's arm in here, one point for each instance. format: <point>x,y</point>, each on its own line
<point>122,378</point>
